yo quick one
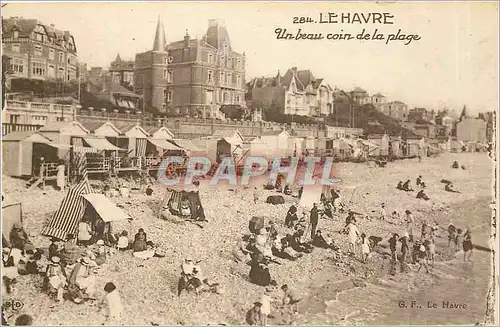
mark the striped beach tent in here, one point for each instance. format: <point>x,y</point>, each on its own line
<point>66,219</point>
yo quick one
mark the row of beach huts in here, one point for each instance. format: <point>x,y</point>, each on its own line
<point>118,147</point>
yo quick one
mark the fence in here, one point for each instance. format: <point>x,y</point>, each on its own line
<point>10,127</point>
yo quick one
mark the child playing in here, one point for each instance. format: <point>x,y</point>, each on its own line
<point>365,248</point>
<point>290,299</point>
<point>113,304</point>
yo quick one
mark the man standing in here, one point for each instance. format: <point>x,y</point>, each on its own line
<point>314,220</point>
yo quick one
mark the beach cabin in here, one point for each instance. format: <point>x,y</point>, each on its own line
<point>412,146</point>
<point>227,143</point>
<point>277,142</point>
<point>22,153</point>
<point>325,146</point>
<point>296,145</point>
<point>395,149</point>
<point>256,147</point>
<point>341,149</point>
<point>64,132</point>
<point>382,142</point>
<point>162,133</point>
<point>309,144</point>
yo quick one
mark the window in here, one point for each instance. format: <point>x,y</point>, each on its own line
<point>222,60</point>
<point>169,60</point>
<point>238,63</point>
<point>39,118</point>
<point>228,62</point>
<point>59,118</point>
<point>225,97</point>
<point>222,78</point>
<point>169,96</point>
<point>16,34</point>
<point>51,72</point>
<point>210,78</point>
<point>14,119</point>
<point>61,73</point>
<point>38,50</point>
<point>38,68</point>
<point>17,66</point>
<point>164,94</point>
<point>16,47</point>
<point>237,98</point>
<point>51,54</point>
<point>69,60</point>
<point>68,76</point>
<point>165,74</point>
<point>169,76</point>
<point>210,58</point>
<point>61,57</point>
<point>238,81</point>
<point>164,106</point>
<point>228,79</point>
<point>39,37</point>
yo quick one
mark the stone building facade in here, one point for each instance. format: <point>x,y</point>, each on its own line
<point>38,51</point>
<point>193,76</point>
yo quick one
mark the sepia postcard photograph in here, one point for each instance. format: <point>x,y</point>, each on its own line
<point>249,163</point>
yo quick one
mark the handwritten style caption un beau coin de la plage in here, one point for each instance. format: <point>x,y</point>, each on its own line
<point>253,167</point>
<point>351,19</point>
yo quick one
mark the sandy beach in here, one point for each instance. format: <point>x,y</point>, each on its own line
<point>334,292</point>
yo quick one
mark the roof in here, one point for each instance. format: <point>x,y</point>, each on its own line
<point>101,144</point>
<point>273,133</point>
<point>91,125</point>
<point>21,136</point>
<point>124,126</point>
<point>164,144</point>
<point>59,125</point>
<point>226,133</point>
<point>357,89</point>
<point>378,95</point>
<point>106,209</point>
<point>24,27</point>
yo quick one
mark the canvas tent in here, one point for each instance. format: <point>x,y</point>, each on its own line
<point>172,202</point>
<point>11,213</point>
<point>66,219</point>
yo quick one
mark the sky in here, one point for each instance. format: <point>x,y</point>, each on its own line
<point>455,62</point>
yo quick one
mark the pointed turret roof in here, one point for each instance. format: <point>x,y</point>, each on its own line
<point>217,35</point>
<point>118,58</point>
<point>160,40</point>
<point>464,113</point>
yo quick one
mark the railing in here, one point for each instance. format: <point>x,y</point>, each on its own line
<point>51,107</point>
<point>12,127</point>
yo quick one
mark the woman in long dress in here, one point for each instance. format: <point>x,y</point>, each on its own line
<point>61,178</point>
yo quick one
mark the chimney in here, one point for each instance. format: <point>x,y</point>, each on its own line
<point>187,39</point>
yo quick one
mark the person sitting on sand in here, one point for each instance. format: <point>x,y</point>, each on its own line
<point>297,244</point>
<point>255,195</point>
<point>271,230</point>
<point>18,237</point>
<point>240,252</point>
<point>291,216</point>
<point>421,195</point>
<point>400,186</point>
<point>419,180</point>
<point>281,249</point>
<point>455,165</point>
<point>259,272</point>
<point>350,218</point>
<point>395,216</point>
<point>328,209</point>
<point>82,279</point>
<point>140,242</point>
<point>290,299</point>
<point>287,190</point>
<point>450,188</point>
<point>407,186</point>
<point>185,207</point>
<point>123,242</point>
<point>53,247</point>
<point>321,242</point>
